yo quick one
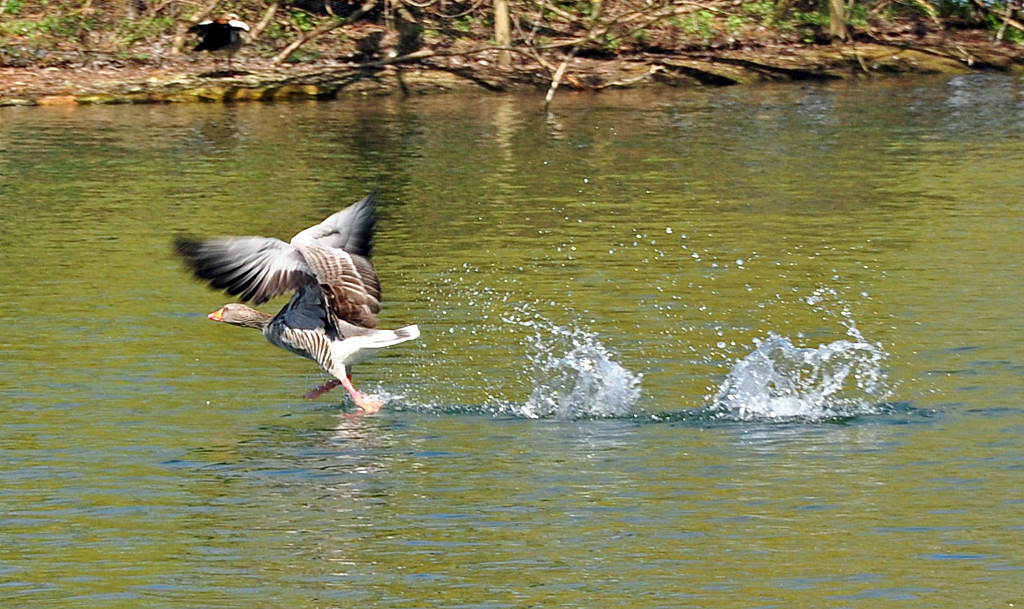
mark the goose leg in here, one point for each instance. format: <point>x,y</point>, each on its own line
<point>363,401</point>
<point>322,389</point>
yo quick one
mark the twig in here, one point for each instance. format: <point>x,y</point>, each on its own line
<point>967,57</point>
<point>531,51</point>
<point>985,9</point>
<point>652,17</point>
<point>472,8</point>
<point>425,53</point>
<point>179,38</point>
<point>656,17</point>
<point>931,10</point>
<point>156,9</point>
<point>600,25</point>
<point>421,54</point>
<point>1002,28</point>
<point>547,6</point>
<point>592,34</point>
<point>860,60</point>
<point>557,78</point>
<point>268,16</point>
<point>320,30</point>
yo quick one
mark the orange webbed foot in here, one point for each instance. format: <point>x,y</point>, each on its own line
<point>368,404</point>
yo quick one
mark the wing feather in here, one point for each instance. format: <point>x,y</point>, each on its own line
<point>350,229</point>
<point>334,254</point>
<point>254,268</point>
<point>341,278</point>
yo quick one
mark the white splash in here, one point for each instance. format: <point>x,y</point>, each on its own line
<point>780,381</point>
<point>575,376</point>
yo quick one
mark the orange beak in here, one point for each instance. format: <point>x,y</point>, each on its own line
<point>217,315</point>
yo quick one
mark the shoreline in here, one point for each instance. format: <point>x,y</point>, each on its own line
<point>181,80</point>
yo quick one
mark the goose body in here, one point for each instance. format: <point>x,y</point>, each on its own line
<point>220,36</point>
<point>332,315</point>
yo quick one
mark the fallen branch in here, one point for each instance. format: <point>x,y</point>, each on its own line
<point>421,54</point>
<point>557,78</point>
<point>651,71</point>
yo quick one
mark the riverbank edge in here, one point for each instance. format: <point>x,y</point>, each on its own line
<point>185,81</point>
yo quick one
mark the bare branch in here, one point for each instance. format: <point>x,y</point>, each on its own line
<point>179,37</point>
<point>268,16</point>
<point>557,78</point>
<point>320,30</point>
<point>988,11</point>
<point>566,15</point>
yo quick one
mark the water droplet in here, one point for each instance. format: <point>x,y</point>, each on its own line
<point>781,381</point>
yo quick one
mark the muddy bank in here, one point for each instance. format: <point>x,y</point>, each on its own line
<point>184,80</point>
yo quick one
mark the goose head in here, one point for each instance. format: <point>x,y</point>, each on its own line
<point>238,314</point>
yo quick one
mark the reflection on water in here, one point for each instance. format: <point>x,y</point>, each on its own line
<point>622,303</point>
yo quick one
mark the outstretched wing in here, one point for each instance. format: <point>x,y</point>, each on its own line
<point>333,254</point>
<point>351,229</point>
<point>254,268</point>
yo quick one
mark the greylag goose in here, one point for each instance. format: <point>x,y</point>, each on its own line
<point>220,36</point>
<point>332,316</point>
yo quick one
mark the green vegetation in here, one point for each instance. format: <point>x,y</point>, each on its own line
<point>996,24</point>
<point>463,24</point>
<point>303,20</point>
<point>700,24</point>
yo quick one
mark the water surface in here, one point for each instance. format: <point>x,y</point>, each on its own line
<point>745,347</point>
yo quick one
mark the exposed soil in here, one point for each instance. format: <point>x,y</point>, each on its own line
<point>181,78</point>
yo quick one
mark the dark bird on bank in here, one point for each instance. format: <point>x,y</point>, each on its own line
<point>220,36</point>
<point>332,316</point>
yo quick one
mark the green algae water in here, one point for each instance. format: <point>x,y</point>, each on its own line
<point>733,348</point>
